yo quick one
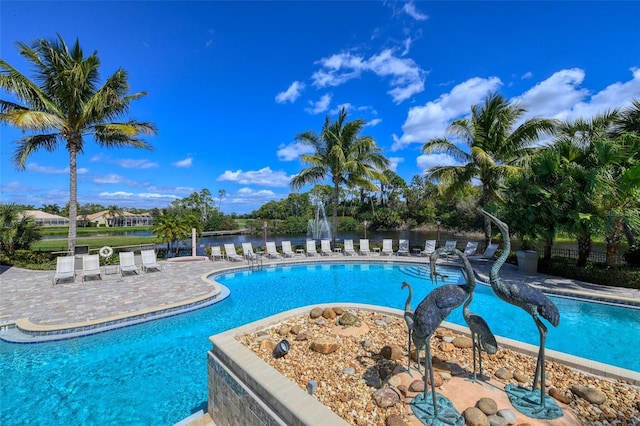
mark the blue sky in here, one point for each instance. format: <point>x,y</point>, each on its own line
<point>230,84</point>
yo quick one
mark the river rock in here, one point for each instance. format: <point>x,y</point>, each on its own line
<point>394,420</point>
<point>338,310</point>
<point>462,342</point>
<point>284,330</point>
<point>592,395</point>
<point>417,386</point>
<point>508,415</point>
<point>316,313</point>
<point>386,397</point>
<point>475,417</point>
<point>267,345</point>
<point>495,420</point>
<point>391,352</point>
<point>394,381</point>
<point>447,347</point>
<point>520,377</point>
<point>296,329</point>
<point>349,371</point>
<point>325,345</point>
<point>329,313</point>
<point>487,405</point>
<point>560,396</point>
<point>503,374</point>
<point>302,336</point>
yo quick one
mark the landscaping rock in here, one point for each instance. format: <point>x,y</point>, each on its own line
<point>329,313</point>
<point>475,417</point>
<point>325,345</point>
<point>391,352</point>
<point>462,342</point>
<point>394,420</point>
<point>495,420</point>
<point>560,396</point>
<point>315,313</point>
<point>508,415</point>
<point>386,397</point>
<point>503,374</point>
<point>592,395</point>
<point>487,405</point>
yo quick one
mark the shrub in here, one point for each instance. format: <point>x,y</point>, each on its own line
<point>596,273</point>
<point>632,256</point>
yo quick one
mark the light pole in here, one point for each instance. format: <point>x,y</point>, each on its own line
<point>264,227</point>
<point>438,223</point>
<point>365,229</point>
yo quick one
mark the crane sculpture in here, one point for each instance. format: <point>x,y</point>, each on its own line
<point>408,318</point>
<point>428,316</point>
<point>537,304</point>
<point>481,335</point>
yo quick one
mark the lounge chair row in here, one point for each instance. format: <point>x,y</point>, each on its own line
<point>231,254</point>
<point>66,265</point>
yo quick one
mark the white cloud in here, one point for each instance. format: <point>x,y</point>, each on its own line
<point>34,167</point>
<point>109,179</point>
<point>291,94</point>
<point>559,92</point>
<point>250,197</point>
<point>186,163</point>
<point>394,161</point>
<point>431,120</point>
<point>293,151</point>
<point>373,123</point>
<point>136,164</point>
<point>407,46</point>
<point>527,75</point>
<point>264,176</point>
<point>407,78</point>
<point>410,9</point>
<point>320,106</point>
<point>561,96</point>
<point>425,162</point>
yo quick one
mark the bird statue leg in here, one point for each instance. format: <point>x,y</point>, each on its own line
<point>473,349</point>
<point>540,367</point>
<point>429,365</point>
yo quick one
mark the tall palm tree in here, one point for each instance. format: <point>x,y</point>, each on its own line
<point>342,155</point>
<point>495,150</point>
<point>63,104</point>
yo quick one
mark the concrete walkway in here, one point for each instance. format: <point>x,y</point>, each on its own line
<point>30,294</point>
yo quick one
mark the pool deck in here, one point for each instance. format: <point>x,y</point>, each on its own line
<point>30,295</point>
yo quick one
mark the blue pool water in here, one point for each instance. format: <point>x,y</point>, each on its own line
<point>155,373</point>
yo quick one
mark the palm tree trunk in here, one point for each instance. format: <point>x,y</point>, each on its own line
<point>584,248</point>
<point>73,198</point>
<point>336,196</point>
<point>613,238</point>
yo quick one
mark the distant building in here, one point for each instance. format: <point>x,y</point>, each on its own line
<point>46,219</point>
<point>104,218</point>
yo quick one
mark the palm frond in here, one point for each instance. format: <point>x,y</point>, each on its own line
<point>30,144</point>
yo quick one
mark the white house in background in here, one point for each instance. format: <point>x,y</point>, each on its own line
<point>47,219</point>
<point>104,218</point>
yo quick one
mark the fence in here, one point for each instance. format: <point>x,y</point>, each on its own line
<point>594,256</point>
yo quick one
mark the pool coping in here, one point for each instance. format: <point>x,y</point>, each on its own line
<point>295,406</point>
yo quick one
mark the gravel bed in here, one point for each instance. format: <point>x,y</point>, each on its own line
<point>340,375</point>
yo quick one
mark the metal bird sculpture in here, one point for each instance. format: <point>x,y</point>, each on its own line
<point>408,318</point>
<point>428,316</point>
<point>481,335</point>
<point>537,304</point>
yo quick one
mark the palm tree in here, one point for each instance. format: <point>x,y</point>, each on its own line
<point>17,230</point>
<point>495,149</point>
<point>114,212</point>
<point>64,104</point>
<point>343,156</point>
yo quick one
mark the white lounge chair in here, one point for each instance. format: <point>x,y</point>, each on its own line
<point>230,252</point>
<point>470,248</point>
<point>325,247</point>
<point>450,244</point>
<point>489,253</point>
<point>91,266</point>
<point>429,247</point>
<point>387,247</point>
<point>286,249</point>
<point>364,247</point>
<point>403,248</point>
<point>272,251</point>
<point>127,262</point>
<point>247,251</point>
<point>348,248</point>
<point>311,248</point>
<point>149,260</point>
<point>65,268</point>
<point>216,253</point>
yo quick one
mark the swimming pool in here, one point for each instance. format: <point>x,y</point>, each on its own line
<point>155,373</point>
